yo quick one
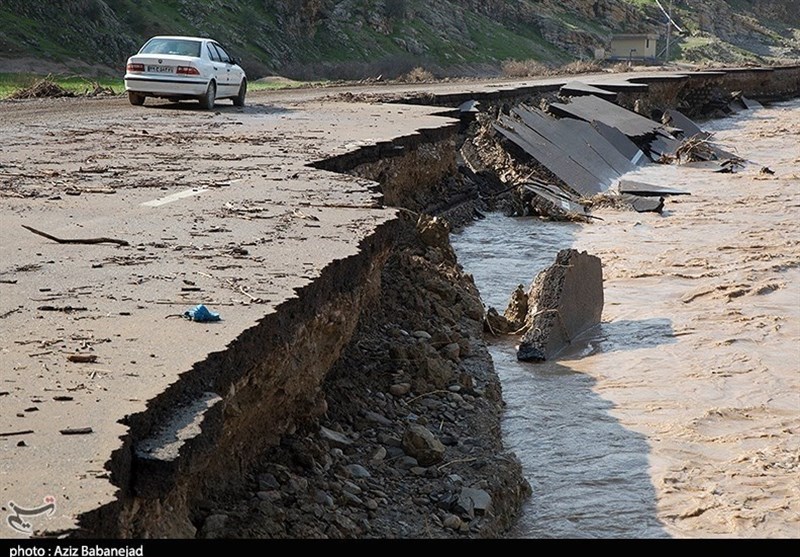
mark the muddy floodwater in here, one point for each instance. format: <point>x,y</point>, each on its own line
<point>679,415</point>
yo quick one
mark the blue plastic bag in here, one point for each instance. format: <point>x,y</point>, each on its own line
<point>201,314</point>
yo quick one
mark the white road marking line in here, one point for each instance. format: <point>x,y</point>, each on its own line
<point>174,197</point>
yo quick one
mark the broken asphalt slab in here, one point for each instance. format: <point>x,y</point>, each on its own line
<point>564,301</point>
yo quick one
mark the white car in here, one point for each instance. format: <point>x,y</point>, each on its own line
<point>176,68</point>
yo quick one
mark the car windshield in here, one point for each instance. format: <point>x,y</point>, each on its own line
<point>181,47</point>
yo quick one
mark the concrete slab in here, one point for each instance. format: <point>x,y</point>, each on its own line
<point>557,161</point>
<point>578,88</point>
<point>679,120</point>
<point>621,143</point>
<point>647,190</point>
<point>564,301</point>
<point>574,145</point>
<point>591,108</point>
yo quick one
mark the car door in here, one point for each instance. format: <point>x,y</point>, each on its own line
<point>220,69</point>
<point>233,72</point>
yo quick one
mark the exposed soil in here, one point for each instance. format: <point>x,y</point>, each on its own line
<point>418,359</point>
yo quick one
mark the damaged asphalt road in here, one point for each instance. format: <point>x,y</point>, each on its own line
<point>136,215</point>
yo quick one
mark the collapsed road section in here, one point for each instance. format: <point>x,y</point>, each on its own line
<point>576,150</point>
<point>130,408</point>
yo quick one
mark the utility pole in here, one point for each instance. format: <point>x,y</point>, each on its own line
<point>669,31</point>
<point>670,24</point>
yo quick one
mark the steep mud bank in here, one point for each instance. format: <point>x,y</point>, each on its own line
<point>410,444</point>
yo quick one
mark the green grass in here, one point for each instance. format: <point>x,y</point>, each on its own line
<point>571,20</point>
<point>643,3</point>
<point>13,82</point>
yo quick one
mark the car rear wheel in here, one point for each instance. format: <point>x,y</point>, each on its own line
<point>135,98</point>
<point>238,100</point>
<point>207,101</point>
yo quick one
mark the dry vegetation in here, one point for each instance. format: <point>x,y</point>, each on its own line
<point>417,75</point>
<point>534,68</point>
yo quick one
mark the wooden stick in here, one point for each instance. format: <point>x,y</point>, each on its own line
<point>446,464</point>
<point>12,433</point>
<point>77,240</point>
<point>75,431</point>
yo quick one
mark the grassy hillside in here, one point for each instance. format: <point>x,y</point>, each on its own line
<point>361,38</point>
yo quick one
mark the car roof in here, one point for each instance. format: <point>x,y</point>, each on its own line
<point>181,37</point>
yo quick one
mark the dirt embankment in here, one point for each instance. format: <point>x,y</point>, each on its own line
<point>409,445</point>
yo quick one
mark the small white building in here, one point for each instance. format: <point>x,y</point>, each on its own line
<point>633,47</point>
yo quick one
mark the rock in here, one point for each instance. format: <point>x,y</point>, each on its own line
<point>565,300</point>
<point>474,502</point>
<point>407,462</point>
<point>400,389</point>
<point>357,471</point>
<point>398,353</point>
<point>352,499</point>
<point>372,504</point>
<point>452,352</point>
<point>267,482</point>
<point>379,454</point>
<point>457,398</point>
<point>269,495</point>
<point>495,323</point>
<point>345,524</point>
<point>323,498</point>
<point>389,440</point>
<point>452,522</point>
<point>434,374</point>
<point>350,487</point>
<point>423,335</point>
<point>517,308</point>
<point>297,484</point>
<point>419,442</point>
<point>377,418</point>
<point>214,526</point>
<point>418,470</point>
<point>433,231</point>
<point>335,439</point>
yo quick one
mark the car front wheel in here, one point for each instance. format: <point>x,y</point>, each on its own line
<point>135,98</point>
<point>207,101</point>
<point>238,100</point>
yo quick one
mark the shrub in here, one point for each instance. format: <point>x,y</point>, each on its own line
<point>417,75</point>
<point>523,68</point>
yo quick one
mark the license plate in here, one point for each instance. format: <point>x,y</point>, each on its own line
<point>160,69</point>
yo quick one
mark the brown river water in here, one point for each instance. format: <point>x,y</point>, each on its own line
<point>679,415</point>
